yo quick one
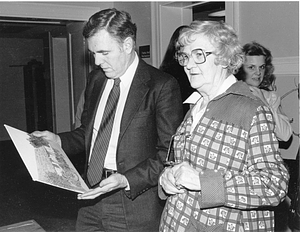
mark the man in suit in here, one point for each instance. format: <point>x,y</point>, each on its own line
<point>147,114</point>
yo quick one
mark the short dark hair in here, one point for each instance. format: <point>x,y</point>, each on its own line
<point>117,23</point>
<point>256,49</point>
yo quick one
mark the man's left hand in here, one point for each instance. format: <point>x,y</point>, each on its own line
<point>115,181</point>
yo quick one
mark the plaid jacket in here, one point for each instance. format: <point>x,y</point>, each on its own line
<point>242,174</point>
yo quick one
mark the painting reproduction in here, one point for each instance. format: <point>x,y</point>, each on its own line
<point>46,161</point>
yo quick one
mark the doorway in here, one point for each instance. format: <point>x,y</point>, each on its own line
<point>213,11</point>
<point>37,88</point>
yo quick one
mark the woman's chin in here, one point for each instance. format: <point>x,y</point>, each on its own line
<point>254,83</point>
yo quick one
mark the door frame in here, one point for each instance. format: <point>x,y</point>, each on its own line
<point>181,13</point>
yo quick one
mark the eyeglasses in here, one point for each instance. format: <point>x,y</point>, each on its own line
<point>198,55</point>
<point>167,162</point>
<point>171,163</point>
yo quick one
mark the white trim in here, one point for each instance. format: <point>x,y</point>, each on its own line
<point>162,26</point>
<point>286,65</point>
<point>155,33</point>
<point>46,10</point>
<point>232,14</point>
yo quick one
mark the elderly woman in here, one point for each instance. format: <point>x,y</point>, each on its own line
<point>228,172</point>
<point>257,72</point>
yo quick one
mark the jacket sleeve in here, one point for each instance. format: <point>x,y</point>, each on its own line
<point>283,128</point>
<point>263,182</point>
<point>167,117</point>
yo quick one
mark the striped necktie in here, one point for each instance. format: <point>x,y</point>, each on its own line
<point>96,165</point>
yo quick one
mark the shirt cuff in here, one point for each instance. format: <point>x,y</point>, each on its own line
<point>128,186</point>
<point>212,188</point>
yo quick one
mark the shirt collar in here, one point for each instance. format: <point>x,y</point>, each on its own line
<point>127,77</point>
<point>195,96</point>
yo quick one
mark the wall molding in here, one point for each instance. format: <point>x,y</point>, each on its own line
<point>286,65</point>
<point>48,10</point>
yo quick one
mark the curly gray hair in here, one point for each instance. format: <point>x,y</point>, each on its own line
<point>228,49</point>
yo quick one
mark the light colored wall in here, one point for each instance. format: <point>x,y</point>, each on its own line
<point>141,15</point>
<point>274,24</point>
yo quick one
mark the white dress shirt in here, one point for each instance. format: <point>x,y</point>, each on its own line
<point>126,80</point>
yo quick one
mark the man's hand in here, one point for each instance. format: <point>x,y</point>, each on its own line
<point>49,136</point>
<point>115,181</point>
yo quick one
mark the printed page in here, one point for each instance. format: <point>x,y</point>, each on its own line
<point>46,161</point>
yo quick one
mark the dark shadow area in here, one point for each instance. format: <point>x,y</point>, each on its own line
<point>55,209</point>
<point>287,144</point>
<point>282,211</point>
<point>23,199</point>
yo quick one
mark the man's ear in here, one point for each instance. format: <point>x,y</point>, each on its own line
<point>128,45</point>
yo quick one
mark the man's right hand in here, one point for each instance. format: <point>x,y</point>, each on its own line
<point>48,136</point>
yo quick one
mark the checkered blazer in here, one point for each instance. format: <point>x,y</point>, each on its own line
<point>242,174</point>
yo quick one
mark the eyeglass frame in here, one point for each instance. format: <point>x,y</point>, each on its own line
<point>167,162</point>
<point>205,54</point>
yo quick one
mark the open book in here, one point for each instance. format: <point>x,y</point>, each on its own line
<point>46,161</point>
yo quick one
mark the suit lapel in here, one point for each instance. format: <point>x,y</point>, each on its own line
<point>136,95</point>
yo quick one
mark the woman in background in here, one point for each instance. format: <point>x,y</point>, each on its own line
<point>257,72</point>
<point>170,65</point>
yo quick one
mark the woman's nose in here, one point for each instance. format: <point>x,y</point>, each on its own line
<point>258,71</point>
<point>191,63</point>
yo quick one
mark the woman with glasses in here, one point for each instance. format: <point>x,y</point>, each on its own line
<point>227,173</point>
<point>257,72</point>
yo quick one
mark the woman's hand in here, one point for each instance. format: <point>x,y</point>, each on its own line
<point>186,176</point>
<point>168,182</point>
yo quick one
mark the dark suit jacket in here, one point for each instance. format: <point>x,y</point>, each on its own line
<point>152,113</point>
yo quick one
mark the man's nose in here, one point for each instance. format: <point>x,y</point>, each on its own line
<point>98,59</point>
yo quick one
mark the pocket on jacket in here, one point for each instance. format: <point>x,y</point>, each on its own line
<point>144,113</point>
<point>143,119</point>
<point>195,226</point>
